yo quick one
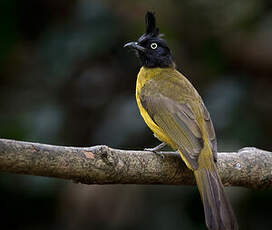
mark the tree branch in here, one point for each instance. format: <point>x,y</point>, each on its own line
<point>249,167</point>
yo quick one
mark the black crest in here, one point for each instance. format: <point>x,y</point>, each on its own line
<point>151,49</point>
<point>151,28</point>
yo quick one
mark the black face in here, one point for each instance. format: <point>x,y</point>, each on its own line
<point>151,49</point>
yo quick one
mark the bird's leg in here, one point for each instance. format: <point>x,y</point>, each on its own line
<point>157,148</point>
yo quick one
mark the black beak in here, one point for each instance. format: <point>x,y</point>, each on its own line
<point>135,45</point>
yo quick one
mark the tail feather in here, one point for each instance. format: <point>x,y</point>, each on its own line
<point>218,211</point>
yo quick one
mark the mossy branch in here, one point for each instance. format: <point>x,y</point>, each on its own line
<point>249,167</point>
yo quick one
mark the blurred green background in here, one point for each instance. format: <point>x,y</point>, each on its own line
<point>66,80</point>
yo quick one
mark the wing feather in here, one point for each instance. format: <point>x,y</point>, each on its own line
<point>211,132</point>
<point>172,110</point>
<point>178,123</point>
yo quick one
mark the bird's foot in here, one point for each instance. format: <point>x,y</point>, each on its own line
<point>157,149</point>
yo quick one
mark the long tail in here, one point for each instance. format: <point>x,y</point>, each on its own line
<point>218,211</point>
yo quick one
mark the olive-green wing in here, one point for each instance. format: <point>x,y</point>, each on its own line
<point>178,123</point>
<point>178,120</point>
<point>211,132</point>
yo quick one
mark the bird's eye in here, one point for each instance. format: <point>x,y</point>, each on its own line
<point>154,45</point>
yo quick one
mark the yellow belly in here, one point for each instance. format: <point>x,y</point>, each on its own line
<point>144,76</point>
<point>158,132</point>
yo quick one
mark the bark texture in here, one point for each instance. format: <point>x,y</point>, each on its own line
<point>249,167</point>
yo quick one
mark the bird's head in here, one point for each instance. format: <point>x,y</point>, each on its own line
<point>151,49</point>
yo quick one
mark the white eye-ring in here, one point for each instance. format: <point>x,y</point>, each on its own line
<point>154,46</point>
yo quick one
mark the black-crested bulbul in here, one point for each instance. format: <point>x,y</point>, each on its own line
<point>174,111</point>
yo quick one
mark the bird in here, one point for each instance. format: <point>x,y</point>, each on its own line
<point>175,112</point>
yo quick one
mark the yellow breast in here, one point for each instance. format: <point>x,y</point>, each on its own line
<point>145,75</point>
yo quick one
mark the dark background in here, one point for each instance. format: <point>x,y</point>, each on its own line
<point>66,80</point>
